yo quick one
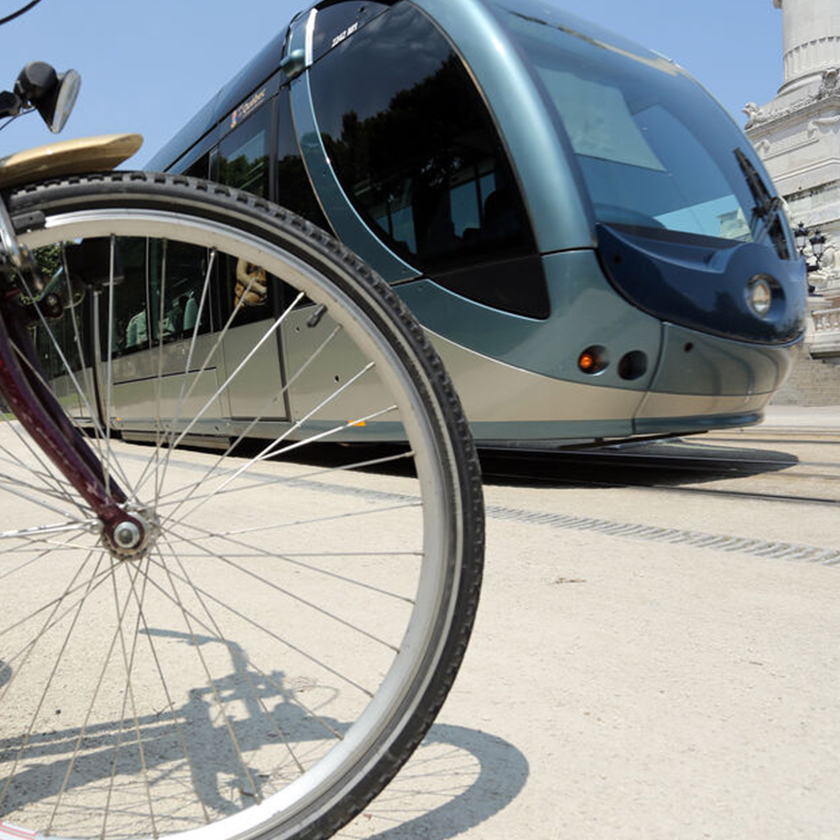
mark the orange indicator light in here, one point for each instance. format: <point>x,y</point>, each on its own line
<point>593,359</point>
<point>586,362</point>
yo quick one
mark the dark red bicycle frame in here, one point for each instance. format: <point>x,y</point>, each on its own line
<point>23,386</point>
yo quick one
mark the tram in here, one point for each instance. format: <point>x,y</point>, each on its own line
<point>588,239</point>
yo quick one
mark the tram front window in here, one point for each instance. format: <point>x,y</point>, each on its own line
<point>655,150</point>
<point>415,148</point>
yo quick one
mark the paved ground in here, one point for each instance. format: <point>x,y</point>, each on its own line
<point>825,416</point>
<point>647,663</point>
<point>623,687</point>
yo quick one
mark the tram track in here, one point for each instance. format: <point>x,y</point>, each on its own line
<point>688,490</point>
<point>677,470</point>
<point>698,471</point>
<point>825,437</point>
<point>532,516</point>
<point>777,549</point>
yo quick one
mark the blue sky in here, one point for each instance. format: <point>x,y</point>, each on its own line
<point>147,66</point>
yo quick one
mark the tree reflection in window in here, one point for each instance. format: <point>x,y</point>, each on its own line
<point>416,149</point>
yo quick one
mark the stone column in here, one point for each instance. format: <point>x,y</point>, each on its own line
<point>811,39</point>
<point>797,135</point>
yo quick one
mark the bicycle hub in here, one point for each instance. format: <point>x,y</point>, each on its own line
<point>130,537</point>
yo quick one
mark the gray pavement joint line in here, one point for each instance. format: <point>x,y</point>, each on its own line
<point>696,539</point>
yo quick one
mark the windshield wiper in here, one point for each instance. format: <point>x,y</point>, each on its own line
<point>767,208</point>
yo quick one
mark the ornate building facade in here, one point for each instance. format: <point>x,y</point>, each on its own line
<point>797,136</point>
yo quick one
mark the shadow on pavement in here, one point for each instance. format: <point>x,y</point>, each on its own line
<point>457,779</point>
<point>673,463</point>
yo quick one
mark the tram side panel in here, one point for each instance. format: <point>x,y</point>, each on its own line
<point>333,388</point>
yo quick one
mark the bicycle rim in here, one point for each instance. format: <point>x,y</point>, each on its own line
<point>279,645</point>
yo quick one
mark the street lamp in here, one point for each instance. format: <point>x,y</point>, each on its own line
<point>817,245</point>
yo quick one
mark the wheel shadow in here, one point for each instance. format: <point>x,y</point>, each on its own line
<point>456,779</point>
<point>476,774</point>
<point>204,743</point>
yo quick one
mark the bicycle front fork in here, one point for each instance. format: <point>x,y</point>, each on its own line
<point>23,386</point>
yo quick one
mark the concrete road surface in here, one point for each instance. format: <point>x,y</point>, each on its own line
<point>620,687</point>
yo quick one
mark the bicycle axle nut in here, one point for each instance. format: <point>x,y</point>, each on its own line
<point>129,537</point>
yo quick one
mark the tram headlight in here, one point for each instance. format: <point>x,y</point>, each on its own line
<point>760,295</point>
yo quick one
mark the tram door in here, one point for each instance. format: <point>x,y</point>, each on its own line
<point>65,358</point>
<point>254,299</point>
<point>146,323</point>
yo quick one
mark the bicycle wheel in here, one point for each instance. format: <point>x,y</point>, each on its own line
<point>264,664</point>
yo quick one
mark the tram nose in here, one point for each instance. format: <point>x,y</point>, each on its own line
<point>742,290</point>
<point>729,314</point>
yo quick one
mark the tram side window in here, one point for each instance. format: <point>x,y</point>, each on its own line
<point>243,155</point>
<point>293,188</point>
<point>70,332</point>
<point>244,164</point>
<point>200,168</point>
<point>415,148</point>
<point>177,273</point>
<point>62,332</point>
<point>129,327</point>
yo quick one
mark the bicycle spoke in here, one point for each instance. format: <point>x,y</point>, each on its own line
<point>155,462</point>
<point>47,473</point>
<point>262,648</point>
<point>109,376</point>
<point>266,631</point>
<point>110,452</point>
<point>315,521</point>
<point>205,289</point>
<point>128,696</point>
<point>254,553</point>
<point>210,355</point>
<point>223,558</point>
<point>259,415</point>
<point>93,698</point>
<point>263,673</point>
<point>170,704</point>
<point>232,376</point>
<point>264,409</point>
<point>266,481</point>
<point>210,681</point>
<point>49,681</point>
<point>9,482</point>
<point>270,331</point>
<point>275,448</point>
<point>102,576</point>
<point>62,357</point>
<point>184,394</point>
<point>255,693</point>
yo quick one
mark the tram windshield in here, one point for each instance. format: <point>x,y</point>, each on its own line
<point>655,150</point>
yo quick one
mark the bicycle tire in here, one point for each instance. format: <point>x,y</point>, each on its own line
<point>291,743</point>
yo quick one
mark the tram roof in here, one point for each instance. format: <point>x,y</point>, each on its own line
<point>266,63</point>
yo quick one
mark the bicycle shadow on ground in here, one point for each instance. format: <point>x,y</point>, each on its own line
<point>457,779</point>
